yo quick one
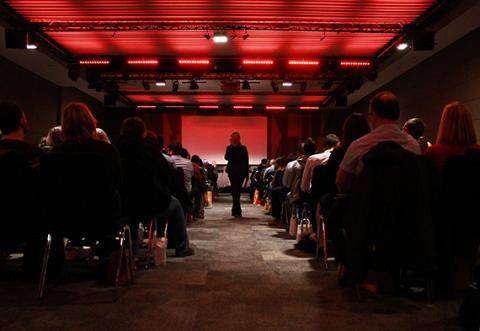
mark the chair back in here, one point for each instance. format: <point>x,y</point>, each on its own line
<point>19,206</point>
<point>78,194</point>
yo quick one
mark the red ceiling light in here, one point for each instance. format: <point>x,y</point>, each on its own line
<point>257,62</point>
<point>242,107</point>
<point>303,62</point>
<point>355,63</point>
<point>175,106</point>
<point>146,107</point>
<point>194,61</point>
<point>275,107</point>
<point>209,107</point>
<point>94,62</point>
<point>309,108</point>
<point>142,62</point>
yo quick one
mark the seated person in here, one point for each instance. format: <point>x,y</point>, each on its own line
<point>147,176</point>
<point>13,127</point>
<point>415,127</point>
<point>179,156</point>
<point>55,137</point>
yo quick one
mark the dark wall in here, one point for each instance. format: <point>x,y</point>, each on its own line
<point>285,129</point>
<point>451,74</point>
<point>41,100</point>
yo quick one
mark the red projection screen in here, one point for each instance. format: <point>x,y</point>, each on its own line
<point>208,136</point>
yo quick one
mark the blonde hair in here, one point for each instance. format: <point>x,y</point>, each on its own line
<point>456,126</point>
<point>78,122</point>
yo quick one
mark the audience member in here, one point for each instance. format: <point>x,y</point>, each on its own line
<point>13,127</point>
<point>183,163</point>
<point>146,183</point>
<point>329,143</point>
<point>456,134</point>
<point>55,136</point>
<point>415,127</point>
<point>384,112</point>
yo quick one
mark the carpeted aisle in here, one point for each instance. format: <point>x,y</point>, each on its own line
<point>245,276</point>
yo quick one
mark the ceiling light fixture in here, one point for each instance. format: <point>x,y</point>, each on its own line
<point>142,61</point>
<point>32,46</point>
<point>220,38</point>
<point>194,61</point>
<point>146,85</point>
<point>246,85</point>
<point>402,46</point>
<point>287,84</point>
<point>257,62</point>
<point>194,85</point>
<point>355,63</point>
<point>175,86</point>
<point>161,82</point>
<point>209,107</point>
<point>309,108</point>
<point>275,107</point>
<point>146,107</point>
<point>94,62</point>
<point>242,107</point>
<point>303,62</point>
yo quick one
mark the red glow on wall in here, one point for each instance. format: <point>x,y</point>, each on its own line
<point>193,61</point>
<point>257,62</point>
<point>355,63</point>
<point>303,62</point>
<point>239,107</point>
<point>94,62</point>
<point>142,61</point>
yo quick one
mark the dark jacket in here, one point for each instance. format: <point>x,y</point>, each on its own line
<point>390,212</point>
<point>146,177</point>
<point>237,157</point>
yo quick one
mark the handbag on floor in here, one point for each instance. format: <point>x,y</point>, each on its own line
<point>292,230</point>
<point>159,248</point>
<point>304,229</point>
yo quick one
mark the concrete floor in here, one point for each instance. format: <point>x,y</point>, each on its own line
<point>245,276</point>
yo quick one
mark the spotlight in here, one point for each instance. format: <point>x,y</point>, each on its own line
<point>372,75</point>
<point>327,85</point>
<point>287,84</point>
<point>74,72</point>
<point>193,85</point>
<point>175,86</point>
<point>32,46</point>
<point>402,46</point>
<point>274,86</point>
<point>146,85</point>
<point>220,38</point>
<point>161,82</point>
<point>245,85</point>
<point>245,36</point>
<point>207,36</point>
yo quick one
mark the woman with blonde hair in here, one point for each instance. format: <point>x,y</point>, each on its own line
<point>456,134</point>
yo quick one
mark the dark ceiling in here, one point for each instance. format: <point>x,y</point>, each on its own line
<point>324,32</point>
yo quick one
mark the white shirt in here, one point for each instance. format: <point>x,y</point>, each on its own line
<point>288,173</point>
<point>187,168</point>
<point>312,162</point>
<point>352,162</point>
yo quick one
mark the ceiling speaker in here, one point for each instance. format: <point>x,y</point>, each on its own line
<point>423,41</point>
<point>341,101</point>
<point>15,39</point>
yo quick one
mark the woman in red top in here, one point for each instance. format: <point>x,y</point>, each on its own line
<point>456,134</point>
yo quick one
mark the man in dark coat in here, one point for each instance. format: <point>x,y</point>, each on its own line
<point>237,170</point>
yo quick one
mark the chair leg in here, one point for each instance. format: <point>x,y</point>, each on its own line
<point>324,239</point>
<point>131,260</point>
<point>43,273</point>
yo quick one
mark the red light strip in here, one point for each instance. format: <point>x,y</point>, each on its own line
<point>142,61</point>
<point>194,61</point>
<point>94,62</point>
<point>209,107</point>
<point>242,107</point>
<point>309,108</point>
<point>275,107</point>
<point>303,62</point>
<point>355,63</point>
<point>257,62</point>
<point>146,107</point>
<point>175,106</point>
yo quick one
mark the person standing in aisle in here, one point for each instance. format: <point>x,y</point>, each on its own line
<point>237,170</point>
